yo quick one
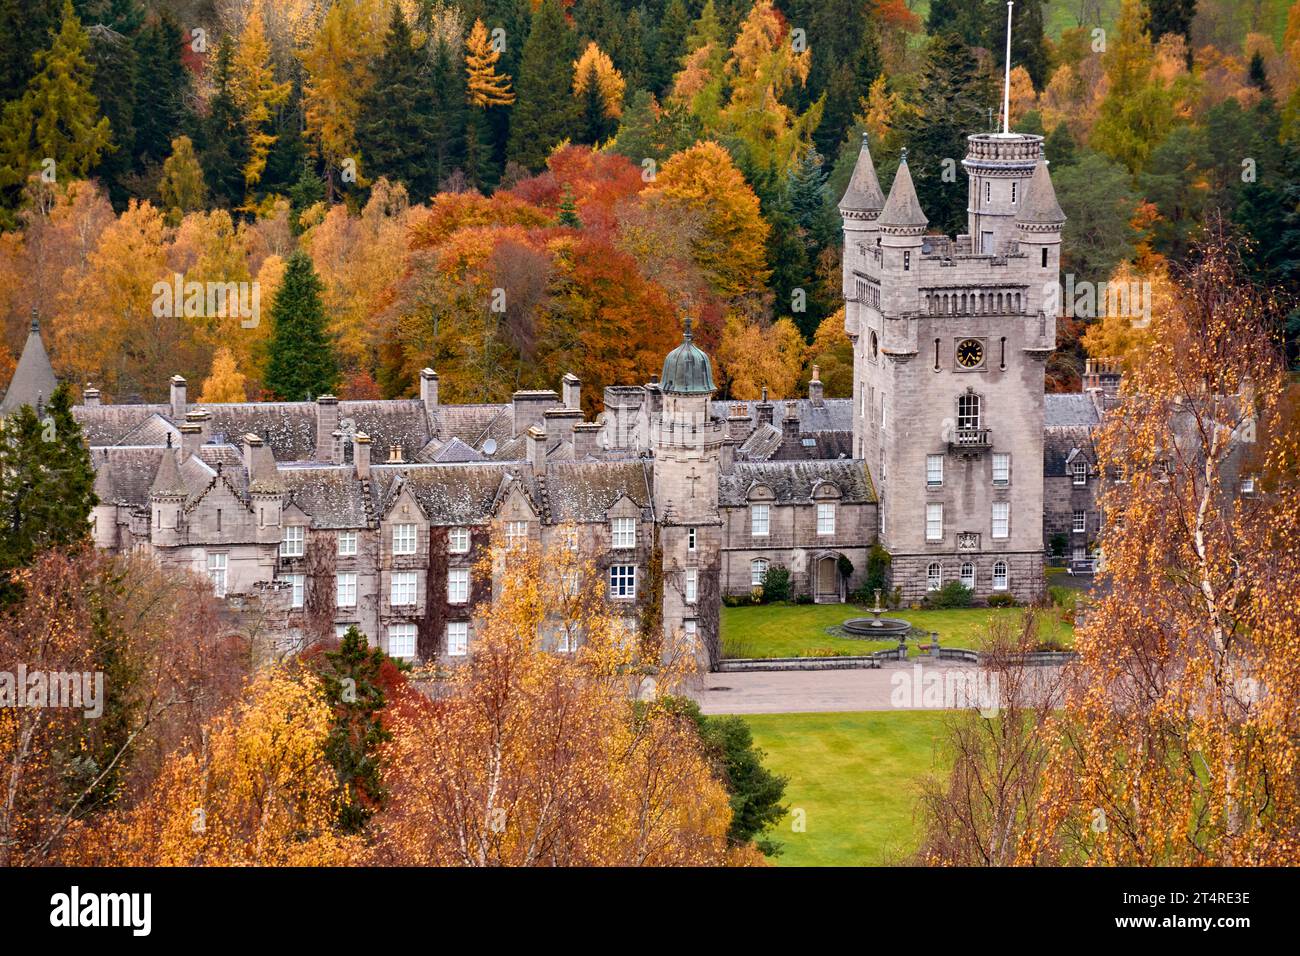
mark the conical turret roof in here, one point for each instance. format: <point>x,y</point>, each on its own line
<point>33,380</point>
<point>167,480</point>
<point>864,193</point>
<point>1040,205</point>
<point>902,207</point>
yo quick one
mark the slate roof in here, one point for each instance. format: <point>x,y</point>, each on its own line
<point>1040,205</point>
<point>1069,410</point>
<point>793,481</point>
<point>288,428</point>
<point>331,494</point>
<point>456,451</point>
<point>834,414</point>
<point>902,208</point>
<point>762,443</point>
<point>450,494</point>
<point>111,424</point>
<point>396,422</point>
<point>123,474</point>
<point>581,491</point>
<point>863,193</point>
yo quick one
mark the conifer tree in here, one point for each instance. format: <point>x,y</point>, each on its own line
<point>57,117</point>
<point>113,57</point>
<point>224,149</point>
<point>351,678</point>
<point>256,92</point>
<point>301,359</point>
<point>161,86</point>
<point>598,90</point>
<point>487,89</point>
<point>544,114</point>
<point>398,118</point>
<point>670,46</point>
<point>25,26</point>
<point>46,484</point>
<point>450,109</point>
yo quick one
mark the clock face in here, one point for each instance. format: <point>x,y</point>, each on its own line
<point>970,353</point>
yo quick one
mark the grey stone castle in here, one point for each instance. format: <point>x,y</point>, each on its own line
<point>374,512</point>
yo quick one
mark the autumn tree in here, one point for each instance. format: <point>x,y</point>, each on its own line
<point>182,187</point>
<point>598,88</point>
<point>1177,743</point>
<point>537,758</point>
<point>1138,109</point>
<point>256,93</point>
<point>162,85</point>
<point>225,383</point>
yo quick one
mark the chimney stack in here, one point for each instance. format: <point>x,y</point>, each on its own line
<point>571,389</point>
<point>196,431</point>
<point>815,393</point>
<point>536,440</point>
<point>361,455</point>
<point>560,422</point>
<point>790,424</point>
<point>529,406</point>
<point>764,408</point>
<point>90,395</point>
<point>336,446</point>
<point>429,392</point>
<point>327,423</point>
<point>178,397</point>
<point>586,442</point>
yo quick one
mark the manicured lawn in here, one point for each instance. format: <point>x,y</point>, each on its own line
<point>799,630</point>
<point>855,777</point>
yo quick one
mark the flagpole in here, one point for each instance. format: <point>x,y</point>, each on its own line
<point>1006,85</point>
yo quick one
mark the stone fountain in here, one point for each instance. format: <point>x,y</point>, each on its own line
<point>877,627</point>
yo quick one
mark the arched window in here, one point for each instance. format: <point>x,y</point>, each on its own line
<point>934,576</point>
<point>757,568</point>
<point>968,411</point>
<point>968,575</point>
<point>999,575</point>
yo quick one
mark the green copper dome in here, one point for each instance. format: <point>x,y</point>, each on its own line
<point>686,369</point>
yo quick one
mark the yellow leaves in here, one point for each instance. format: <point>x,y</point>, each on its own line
<point>595,69</point>
<point>755,355</point>
<point>487,88</point>
<point>339,76</point>
<point>226,382</point>
<point>256,92</point>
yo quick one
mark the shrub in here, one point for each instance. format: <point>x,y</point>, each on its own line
<point>1065,598</point>
<point>1002,600</point>
<point>878,562</point>
<point>825,652</point>
<point>1058,543</point>
<point>803,599</point>
<point>776,584</point>
<point>952,594</point>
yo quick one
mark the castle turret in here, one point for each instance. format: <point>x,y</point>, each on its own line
<point>1039,221</point>
<point>902,226</point>
<point>999,166</point>
<point>33,381</point>
<point>167,497</point>
<point>860,209</point>
<point>687,443</point>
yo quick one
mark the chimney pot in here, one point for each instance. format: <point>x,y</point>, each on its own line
<point>178,397</point>
<point>361,455</point>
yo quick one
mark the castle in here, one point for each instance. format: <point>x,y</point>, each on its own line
<point>374,512</point>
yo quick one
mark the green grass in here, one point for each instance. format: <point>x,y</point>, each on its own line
<point>855,778</point>
<point>799,630</point>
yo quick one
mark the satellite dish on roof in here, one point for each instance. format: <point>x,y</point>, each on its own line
<point>490,446</point>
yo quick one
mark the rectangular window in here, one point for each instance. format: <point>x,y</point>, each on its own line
<point>567,642</point>
<point>758,520</point>
<point>1080,471</point>
<point>933,470</point>
<point>458,540</point>
<point>624,532</point>
<point>1080,553</point>
<point>1248,486</point>
<point>757,571</point>
<point>341,630</point>
<point>884,414</point>
<point>1001,519</point>
<point>401,640</point>
<point>622,581</point>
<point>689,631</point>
<point>1000,576</point>
<point>1014,184</point>
<point>692,584</point>
<point>458,638</point>
<point>571,538</point>
<point>934,521</point>
<point>403,539</point>
<point>402,589</point>
<point>218,562</point>
<point>1079,522</point>
<point>293,545</point>
<point>345,589</point>
<point>298,587</point>
<point>347,544</point>
<point>825,519</point>
<point>458,586</point>
<point>1001,468</point>
<point>516,534</point>
<point>907,261</point>
<point>690,539</point>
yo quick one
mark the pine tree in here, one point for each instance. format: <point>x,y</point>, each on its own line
<point>351,679</point>
<point>57,117</point>
<point>598,90</point>
<point>25,26</point>
<point>224,153</point>
<point>114,60</point>
<point>952,102</point>
<point>46,484</point>
<point>301,359</point>
<point>162,84</point>
<point>182,188</point>
<point>544,114</point>
<point>450,110</point>
<point>671,46</point>
<point>398,116</point>
<point>568,210</point>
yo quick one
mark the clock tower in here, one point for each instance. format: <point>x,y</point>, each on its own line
<point>951,336</point>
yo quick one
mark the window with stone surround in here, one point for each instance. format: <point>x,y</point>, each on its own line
<point>757,569</point>
<point>458,585</point>
<point>934,521</point>
<point>933,471</point>
<point>999,575</point>
<point>825,519</point>
<point>692,584</point>
<point>457,638</point>
<point>347,544</point>
<point>402,589</point>
<point>968,575</point>
<point>403,539</point>
<point>622,581</point>
<point>934,576</point>
<point>401,640</point>
<point>759,516</point>
<point>458,540</point>
<point>1079,522</point>
<point>516,534</point>
<point>295,540</point>
<point>624,532</point>
<point>218,564</point>
<point>1001,519</point>
<point>345,589</point>
<point>1001,468</point>
<point>297,590</point>
<point>1079,469</point>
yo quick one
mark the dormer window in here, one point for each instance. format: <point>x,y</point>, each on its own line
<point>624,533</point>
<point>1080,472</point>
<point>403,539</point>
<point>293,545</point>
